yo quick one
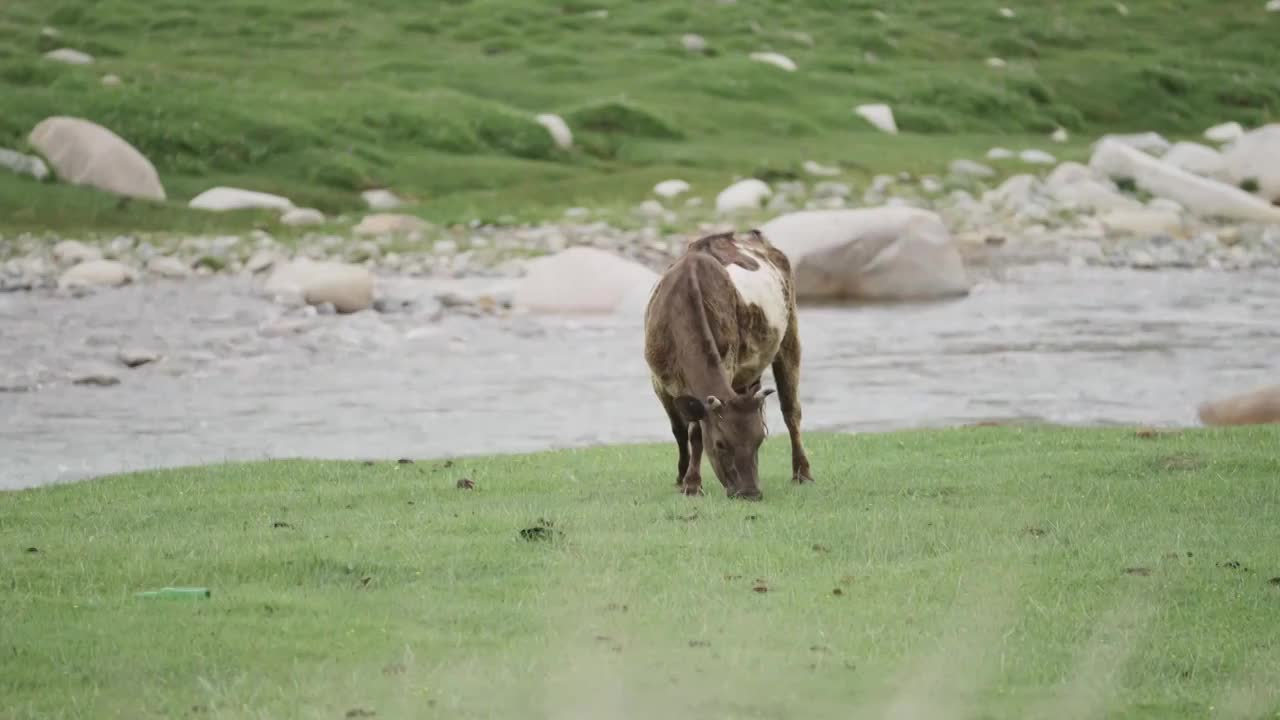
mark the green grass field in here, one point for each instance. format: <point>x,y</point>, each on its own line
<point>318,99</point>
<point>969,573</point>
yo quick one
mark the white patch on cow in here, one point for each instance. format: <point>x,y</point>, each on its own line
<point>763,288</point>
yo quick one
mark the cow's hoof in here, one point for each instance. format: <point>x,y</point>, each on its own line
<point>750,495</point>
<point>802,477</point>
<point>692,490</point>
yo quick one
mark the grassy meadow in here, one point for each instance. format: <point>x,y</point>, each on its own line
<point>320,99</point>
<point>1008,572</point>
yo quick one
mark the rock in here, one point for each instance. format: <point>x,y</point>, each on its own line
<point>136,357</point>
<point>390,224</point>
<point>880,116</point>
<point>743,195</point>
<point>1196,158</point>
<point>169,267</point>
<point>1201,196</point>
<point>693,43</point>
<point>349,288</point>
<point>1272,6</point>
<point>1143,223</point>
<point>1037,157</point>
<point>671,188</point>
<point>829,189</point>
<point>877,254</point>
<point>931,185</point>
<point>69,56</point>
<point>558,129</point>
<point>23,164</point>
<point>818,169</point>
<point>70,252</point>
<point>95,274</point>
<point>1255,407</point>
<point>84,153</point>
<point>261,260</point>
<point>1015,192</point>
<point>651,209</point>
<point>1093,195</point>
<point>584,280</point>
<point>1060,135</point>
<point>111,80</point>
<point>997,63</point>
<point>577,213</point>
<point>1146,142</point>
<point>381,199</point>
<point>1166,205</point>
<point>1224,133</point>
<point>1007,13</point>
<point>969,168</point>
<point>999,153</point>
<point>302,216</point>
<point>1255,157</point>
<point>95,379</point>
<point>222,199</point>
<point>1122,9</point>
<point>774,59</point>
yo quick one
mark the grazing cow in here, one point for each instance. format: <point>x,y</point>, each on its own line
<point>720,315</point>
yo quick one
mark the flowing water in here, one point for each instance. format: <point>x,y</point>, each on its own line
<point>244,379</point>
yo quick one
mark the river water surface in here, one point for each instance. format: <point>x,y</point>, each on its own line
<point>242,378</point>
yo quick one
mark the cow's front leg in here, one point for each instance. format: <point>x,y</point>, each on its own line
<point>680,430</point>
<point>693,476</point>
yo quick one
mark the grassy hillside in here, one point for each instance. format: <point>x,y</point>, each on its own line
<point>994,573</point>
<point>321,98</point>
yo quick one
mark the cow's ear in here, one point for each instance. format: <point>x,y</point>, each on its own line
<point>691,408</point>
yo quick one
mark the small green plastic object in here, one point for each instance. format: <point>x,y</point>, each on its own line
<point>175,592</point>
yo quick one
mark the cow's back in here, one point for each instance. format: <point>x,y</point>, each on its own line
<point>742,287</point>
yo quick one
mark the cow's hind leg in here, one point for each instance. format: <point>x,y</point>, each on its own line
<point>786,373</point>
<point>679,429</point>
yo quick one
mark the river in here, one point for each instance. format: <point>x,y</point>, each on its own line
<point>244,379</point>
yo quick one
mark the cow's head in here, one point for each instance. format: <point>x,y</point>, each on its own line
<point>732,430</point>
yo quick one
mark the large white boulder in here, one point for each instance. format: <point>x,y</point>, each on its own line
<point>1146,142</point>
<point>297,217</point>
<point>880,116</point>
<point>70,252</point>
<point>671,188</point>
<point>559,130</point>
<point>95,274</point>
<point>775,59</point>
<point>1075,186</point>
<point>1036,157</point>
<point>222,199</point>
<point>584,280</point>
<point>381,199</point>
<point>743,195</point>
<point>969,168</point>
<point>23,164</point>
<point>85,153</point>
<point>1142,222</point>
<point>873,254</point>
<point>1196,158</point>
<point>349,288</point>
<point>1224,133</point>
<point>1255,156</point>
<point>389,224</point>
<point>1201,196</point>
<point>69,56</point>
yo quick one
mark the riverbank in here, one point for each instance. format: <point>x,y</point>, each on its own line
<point>1059,572</point>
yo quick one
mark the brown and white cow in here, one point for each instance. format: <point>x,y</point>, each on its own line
<point>720,315</point>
